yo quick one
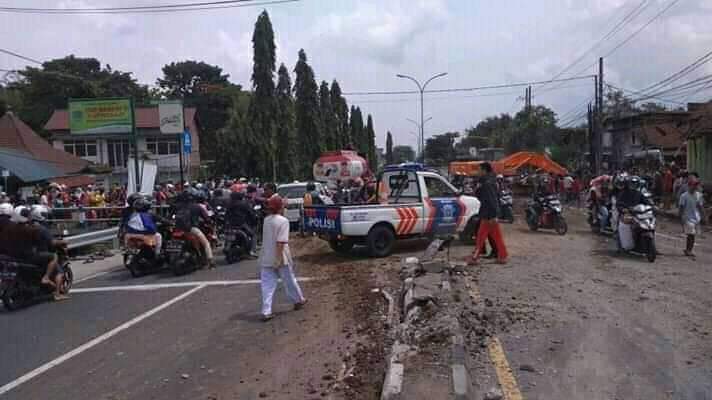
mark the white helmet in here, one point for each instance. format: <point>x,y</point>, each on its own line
<point>39,213</point>
<point>6,210</point>
<point>23,211</point>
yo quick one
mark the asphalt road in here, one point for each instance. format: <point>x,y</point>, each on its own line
<point>584,322</point>
<point>175,338</point>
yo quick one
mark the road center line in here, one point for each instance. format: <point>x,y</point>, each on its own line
<point>88,345</point>
<point>506,378</point>
<point>156,286</point>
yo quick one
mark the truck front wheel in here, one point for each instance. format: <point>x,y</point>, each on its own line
<point>341,246</point>
<point>380,241</point>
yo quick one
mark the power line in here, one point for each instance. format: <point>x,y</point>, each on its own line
<point>12,53</point>
<point>617,28</point>
<point>681,73</point>
<point>641,93</point>
<point>470,89</point>
<point>198,6</point>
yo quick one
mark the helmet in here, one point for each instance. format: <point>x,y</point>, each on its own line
<point>39,213</point>
<point>636,182</point>
<point>500,177</point>
<point>23,211</point>
<point>275,204</point>
<point>199,186</point>
<point>6,210</point>
<point>243,180</point>
<point>142,204</point>
<point>132,198</point>
<point>170,186</point>
<point>620,181</point>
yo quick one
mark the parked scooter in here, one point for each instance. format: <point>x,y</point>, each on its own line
<point>546,213</point>
<point>21,283</point>
<point>636,231</point>
<point>506,204</point>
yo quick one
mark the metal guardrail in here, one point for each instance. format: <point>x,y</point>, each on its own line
<point>85,239</point>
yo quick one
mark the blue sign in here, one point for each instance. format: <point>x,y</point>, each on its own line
<point>187,143</point>
<point>322,219</point>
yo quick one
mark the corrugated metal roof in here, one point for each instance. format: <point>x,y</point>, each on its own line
<point>26,167</point>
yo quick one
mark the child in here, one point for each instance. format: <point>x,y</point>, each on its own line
<point>691,213</point>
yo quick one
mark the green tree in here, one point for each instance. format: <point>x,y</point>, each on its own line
<point>42,90</point>
<point>440,149</point>
<point>328,117</point>
<point>204,87</point>
<point>286,140</point>
<point>235,134</point>
<point>357,131</point>
<point>389,148</point>
<point>341,115</point>
<point>403,154</point>
<point>307,116</point>
<point>370,136</point>
<point>261,153</point>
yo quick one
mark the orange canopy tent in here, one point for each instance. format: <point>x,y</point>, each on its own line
<point>509,165</point>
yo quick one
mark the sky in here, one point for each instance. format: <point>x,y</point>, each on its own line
<point>364,43</point>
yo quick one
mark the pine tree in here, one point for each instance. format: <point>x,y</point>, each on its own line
<point>285,140</point>
<point>307,116</point>
<point>341,115</point>
<point>262,111</point>
<point>389,148</point>
<point>328,124</point>
<point>370,136</point>
<point>235,135</point>
<point>357,131</point>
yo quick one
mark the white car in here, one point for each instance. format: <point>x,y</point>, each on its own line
<point>414,202</point>
<point>294,193</point>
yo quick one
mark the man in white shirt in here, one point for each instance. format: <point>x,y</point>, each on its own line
<point>275,259</point>
<point>691,213</point>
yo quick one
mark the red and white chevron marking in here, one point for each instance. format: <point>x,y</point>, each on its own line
<point>408,218</point>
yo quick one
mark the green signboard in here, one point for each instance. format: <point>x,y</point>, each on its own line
<point>98,116</point>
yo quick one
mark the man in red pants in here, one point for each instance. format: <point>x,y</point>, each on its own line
<point>489,228</point>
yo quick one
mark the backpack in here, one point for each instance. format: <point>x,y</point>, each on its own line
<point>184,219</point>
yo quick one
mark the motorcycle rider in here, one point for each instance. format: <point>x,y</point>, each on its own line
<point>32,243</point>
<point>141,222</point>
<point>242,216</point>
<point>189,216</point>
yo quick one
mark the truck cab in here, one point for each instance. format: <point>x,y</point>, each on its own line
<point>413,201</point>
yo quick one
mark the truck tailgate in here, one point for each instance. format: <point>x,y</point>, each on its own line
<point>322,219</point>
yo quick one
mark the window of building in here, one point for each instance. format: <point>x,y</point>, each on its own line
<point>81,148</point>
<point>118,151</point>
<point>438,188</point>
<point>161,146</point>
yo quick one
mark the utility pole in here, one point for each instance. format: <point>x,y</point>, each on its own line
<point>599,132</point>
<point>591,147</point>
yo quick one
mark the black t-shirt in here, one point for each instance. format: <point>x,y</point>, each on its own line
<point>188,216</point>
<point>22,241</point>
<point>240,213</point>
<point>487,194</point>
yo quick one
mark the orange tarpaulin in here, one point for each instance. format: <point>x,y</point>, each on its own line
<point>509,165</point>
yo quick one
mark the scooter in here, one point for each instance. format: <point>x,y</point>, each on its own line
<point>636,231</point>
<point>506,210</point>
<point>21,283</point>
<point>184,251</point>
<point>140,256</point>
<point>546,213</point>
<point>238,242</point>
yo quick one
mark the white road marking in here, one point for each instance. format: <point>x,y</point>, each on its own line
<point>156,286</point>
<point>88,345</point>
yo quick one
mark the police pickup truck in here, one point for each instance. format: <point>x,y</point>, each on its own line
<point>412,202</point>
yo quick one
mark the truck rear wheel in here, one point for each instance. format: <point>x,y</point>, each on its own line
<point>380,241</point>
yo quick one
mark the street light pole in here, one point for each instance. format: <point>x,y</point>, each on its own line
<point>420,131</point>
<point>421,89</point>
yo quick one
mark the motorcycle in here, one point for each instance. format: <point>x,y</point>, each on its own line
<point>238,242</point>
<point>506,210</point>
<point>219,221</point>
<point>546,213</point>
<point>184,251</point>
<point>636,231</point>
<point>140,256</point>
<point>21,283</point>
